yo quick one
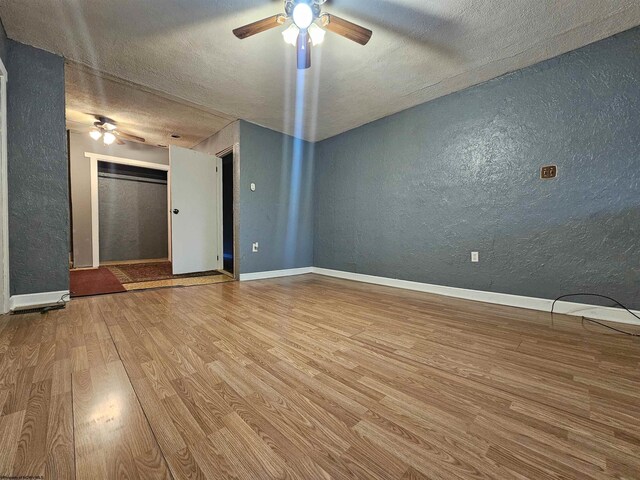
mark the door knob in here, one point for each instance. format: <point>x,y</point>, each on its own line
<point>176,211</point>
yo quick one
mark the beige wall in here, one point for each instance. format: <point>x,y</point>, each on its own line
<point>225,138</point>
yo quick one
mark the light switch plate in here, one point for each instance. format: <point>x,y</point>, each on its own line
<point>255,247</point>
<point>253,187</point>
<point>475,257</point>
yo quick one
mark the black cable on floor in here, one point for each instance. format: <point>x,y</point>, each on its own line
<point>596,321</point>
<point>60,304</point>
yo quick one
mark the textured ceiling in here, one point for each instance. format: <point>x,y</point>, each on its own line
<point>420,50</point>
<point>137,110</point>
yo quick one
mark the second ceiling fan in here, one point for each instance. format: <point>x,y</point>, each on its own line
<point>305,30</point>
<point>107,129</point>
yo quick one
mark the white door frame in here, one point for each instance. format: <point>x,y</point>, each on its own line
<point>94,158</point>
<point>235,149</point>
<point>4,195</point>
<point>219,213</point>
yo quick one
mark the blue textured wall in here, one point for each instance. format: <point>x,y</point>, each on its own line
<point>4,44</point>
<point>38,182</point>
<point>279,214</point>
<point>411,195</point>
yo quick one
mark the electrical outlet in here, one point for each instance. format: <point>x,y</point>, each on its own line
<point>548,171</point>
<point>252,187</point>
<point>475,257</point>
<point>255,247</point>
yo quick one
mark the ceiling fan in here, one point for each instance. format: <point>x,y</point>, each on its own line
<point>305,30</point>
<point>107,129</point>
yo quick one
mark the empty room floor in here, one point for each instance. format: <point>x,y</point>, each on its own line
<point>312,377</point>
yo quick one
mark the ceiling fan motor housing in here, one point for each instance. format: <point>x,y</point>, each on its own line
<point>105,123</point>
<point>289,5</point>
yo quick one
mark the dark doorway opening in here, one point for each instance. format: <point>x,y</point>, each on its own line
<point>227,213</point>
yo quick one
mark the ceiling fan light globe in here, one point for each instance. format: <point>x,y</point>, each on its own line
<point>290,35</point>
<point>302,15</point>
<point>317,34</point>
<point>109,138</point>
<point>95,134</point>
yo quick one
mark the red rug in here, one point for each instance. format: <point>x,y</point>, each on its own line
<point>94,282</point>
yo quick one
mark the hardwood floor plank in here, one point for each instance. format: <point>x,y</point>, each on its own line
<point>430,460</point>
<point>31,454</point>
<point>164,430</point>
<point>185,466</point>
<point>60,451</point>
<point>152,464</point>
<point>413,474</point>
<point>61,377</point>
<point>110,428</point>
<point>10,429</point>
<point>202,405</point>
<point>267,462</point>
<point>19,391</point>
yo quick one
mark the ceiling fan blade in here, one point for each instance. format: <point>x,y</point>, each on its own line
<point>346,28</point>
<point>259,26</point>
<point>303,50</point>
<point>128,136</point>
<point>119,141</point>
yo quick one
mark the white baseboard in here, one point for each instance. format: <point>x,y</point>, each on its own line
<point>532,303</point>
<point>275,274</point>
<point>33,300</point>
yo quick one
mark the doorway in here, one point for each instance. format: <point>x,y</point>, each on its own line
<point>227,214</point>
<point>133,221</point>
<point>138,211</point>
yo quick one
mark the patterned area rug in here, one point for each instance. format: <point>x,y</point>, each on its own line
<point>150,272</point>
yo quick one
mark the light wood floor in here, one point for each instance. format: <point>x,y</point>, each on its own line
<point>311,377</point>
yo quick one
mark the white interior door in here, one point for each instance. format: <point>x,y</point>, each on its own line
<point>195,224</point>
